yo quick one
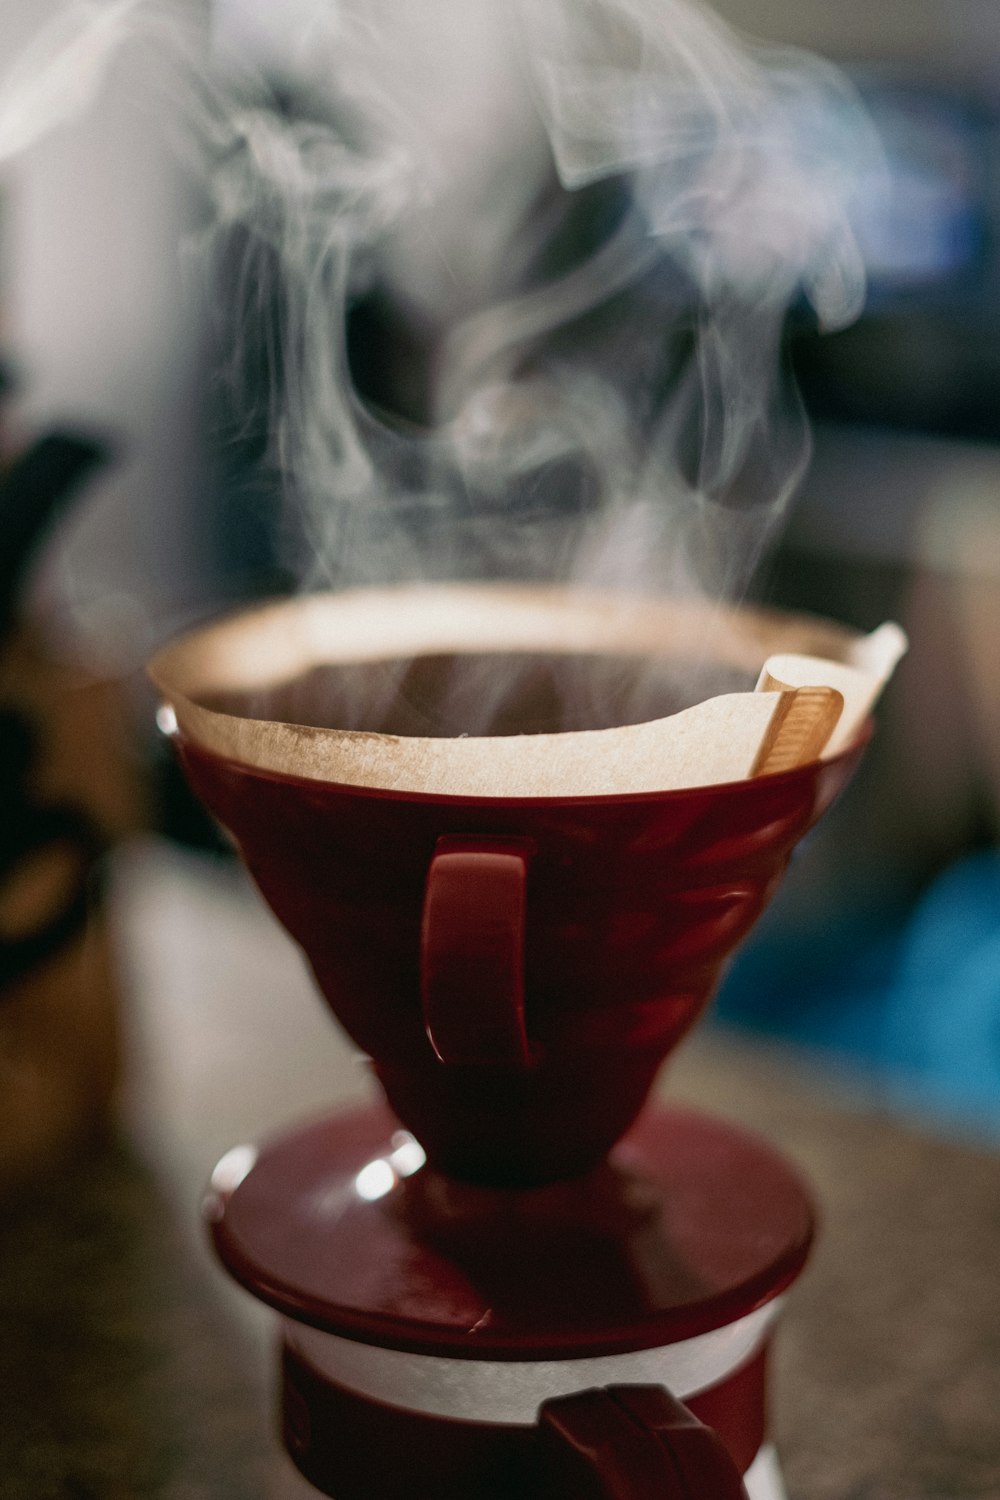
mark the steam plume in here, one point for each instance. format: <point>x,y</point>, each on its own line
<point>596,292</point>
<point>582,222</point>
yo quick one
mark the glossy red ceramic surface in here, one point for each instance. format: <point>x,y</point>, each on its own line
<point>634,1442</point>
<point>632,905</point>
<point>622,1443</point>
<point>472,953</point>
<point>689,1225</point>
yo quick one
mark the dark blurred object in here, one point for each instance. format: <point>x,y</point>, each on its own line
<point>926,352</point>
<point>68,790</point>
<point>7,378</point>
<point>34,490</point>
<point>175,811</point>
<point>51,844</point>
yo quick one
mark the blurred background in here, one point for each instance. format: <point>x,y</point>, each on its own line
<point>142,983</point>
<point>887,953</point>
<point>883,952</point>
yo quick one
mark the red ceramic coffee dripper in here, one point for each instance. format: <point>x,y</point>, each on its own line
<point>517,970</point>
<point>516,966</point>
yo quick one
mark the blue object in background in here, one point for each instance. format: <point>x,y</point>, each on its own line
<point>942,1026</point>
<point>914,999</point>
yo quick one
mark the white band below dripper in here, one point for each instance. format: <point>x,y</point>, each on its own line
<point>510,1392</point>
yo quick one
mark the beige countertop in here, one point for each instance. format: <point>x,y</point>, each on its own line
<point>130,1367</point>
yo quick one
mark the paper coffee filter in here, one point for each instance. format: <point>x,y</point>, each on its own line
<point>724,738</point>
<point>859,680</point>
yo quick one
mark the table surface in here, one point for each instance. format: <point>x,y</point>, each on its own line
<point>130,1367</point>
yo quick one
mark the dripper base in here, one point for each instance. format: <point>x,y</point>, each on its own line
<point>352,1447</point>
<point>690,1225</point>
<point>429,1325</point>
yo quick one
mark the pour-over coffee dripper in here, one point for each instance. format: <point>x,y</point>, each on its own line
<point>497,1298</point>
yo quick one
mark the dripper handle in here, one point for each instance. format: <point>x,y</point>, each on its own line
<point>472,951</point>
<point>633,1442</point>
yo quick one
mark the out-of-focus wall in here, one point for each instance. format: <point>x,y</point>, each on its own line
<point>960,37</point>
<point>94,321</point>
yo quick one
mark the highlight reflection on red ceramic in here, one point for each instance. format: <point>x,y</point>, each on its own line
<point>628,908</point>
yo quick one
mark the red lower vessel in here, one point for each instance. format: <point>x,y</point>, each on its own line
<point>604,1336</point>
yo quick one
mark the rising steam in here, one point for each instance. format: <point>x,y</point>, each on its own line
<point>508,283</point>
<point>529,278</point>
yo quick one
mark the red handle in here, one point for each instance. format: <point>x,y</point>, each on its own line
<point>633,1443</point>
<point>472,951</point>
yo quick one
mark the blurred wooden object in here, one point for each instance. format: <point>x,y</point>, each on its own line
<point>69,790</point>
